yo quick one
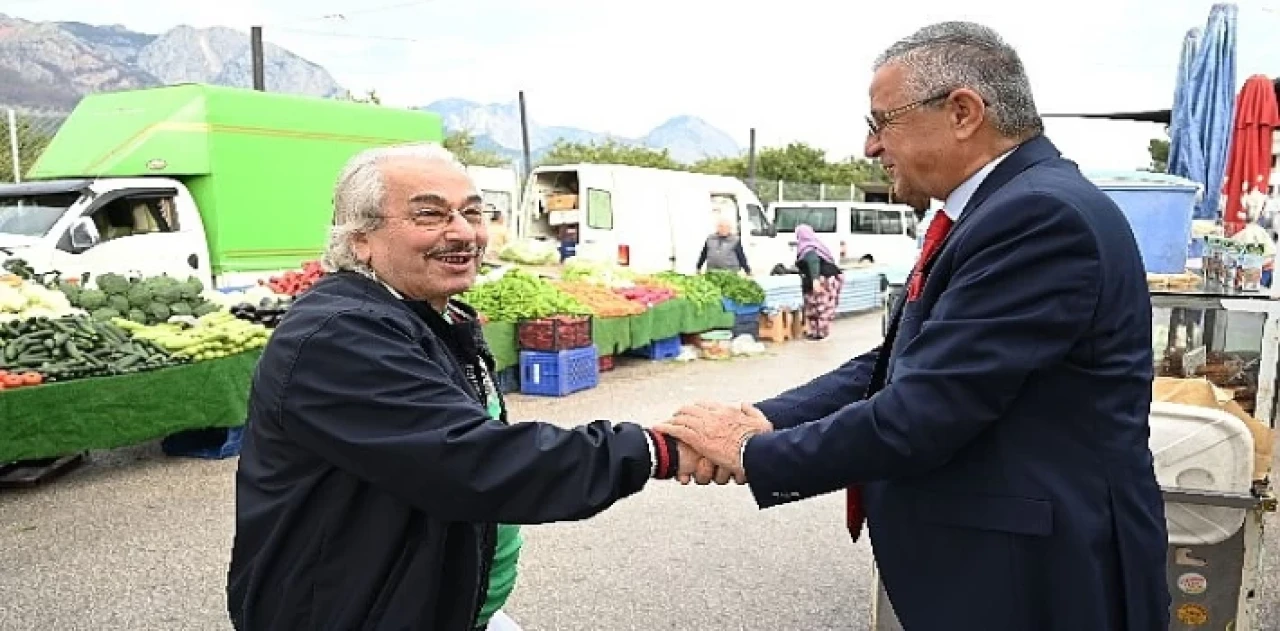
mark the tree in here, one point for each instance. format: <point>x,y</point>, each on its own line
<point>463,145</point>
<point>609,152</point>
<point>733,167</point>
<point>1159,150</point>
<point>32,141</point>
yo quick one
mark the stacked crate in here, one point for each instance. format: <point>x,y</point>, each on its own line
<point>557,356</point>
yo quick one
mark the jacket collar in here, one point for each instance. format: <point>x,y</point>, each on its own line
<point>1030,153</point>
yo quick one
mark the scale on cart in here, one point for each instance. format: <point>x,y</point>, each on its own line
<point>1215,490</point>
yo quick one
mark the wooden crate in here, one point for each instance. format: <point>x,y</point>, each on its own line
<point>774,327</point>
<point>795,322</point>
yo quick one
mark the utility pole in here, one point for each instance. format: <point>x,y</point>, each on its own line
<point>751,160</point>
<point>259,73</point>
<point>524,133</point>
<point>13,146</point>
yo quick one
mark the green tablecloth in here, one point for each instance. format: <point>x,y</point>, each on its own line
<point>668,318</point>
<point>641,329</point>
<point>60,419</point>
<point>708,318</point>
<point>611,335</point>
<point>501,338</point>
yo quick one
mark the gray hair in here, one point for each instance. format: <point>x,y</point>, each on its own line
<point>358,198</point>
<point>952,55</point>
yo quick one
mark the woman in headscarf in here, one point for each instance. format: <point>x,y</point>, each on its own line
<point>821,280</point>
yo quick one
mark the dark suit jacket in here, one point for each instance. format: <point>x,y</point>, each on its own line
<point>1009,483</point>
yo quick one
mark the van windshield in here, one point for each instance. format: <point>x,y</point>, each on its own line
<point>33,215</point>
<point>786,218</point>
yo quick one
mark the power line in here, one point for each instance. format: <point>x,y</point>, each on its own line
<point>388,38</point>
<point>344,15</point>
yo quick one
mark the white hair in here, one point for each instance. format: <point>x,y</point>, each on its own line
<point>952,55</point>
<point>359,196</point>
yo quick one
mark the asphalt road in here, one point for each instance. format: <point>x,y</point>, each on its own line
<point>137,541</point>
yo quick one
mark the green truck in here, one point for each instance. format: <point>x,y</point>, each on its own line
<point>224,184</point>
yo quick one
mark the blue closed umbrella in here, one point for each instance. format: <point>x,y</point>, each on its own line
<point>1204,106</point>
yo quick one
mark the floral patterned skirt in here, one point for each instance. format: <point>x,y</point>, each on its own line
<point>820,308</point>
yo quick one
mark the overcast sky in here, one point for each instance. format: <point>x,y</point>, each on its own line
<point>794,70</point>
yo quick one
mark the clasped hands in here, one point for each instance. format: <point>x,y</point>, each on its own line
<point>711,437</point>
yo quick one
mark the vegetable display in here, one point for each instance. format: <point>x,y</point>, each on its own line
<point>76,347</point>
<point>22,299</point>
<point>530,252</point>
<point>211,336</point>
<point>519,295</point>
<point>602,301</point>
<point>142,300</point>
<point>697,290</point>
<point>743,291</point>
<point>645,295</point>
<point>293,282</point>
<point>597,272</point>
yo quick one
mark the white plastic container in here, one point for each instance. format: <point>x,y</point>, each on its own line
<point>1201,449</point>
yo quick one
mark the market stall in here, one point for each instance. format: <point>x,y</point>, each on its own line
<point>117,361</point>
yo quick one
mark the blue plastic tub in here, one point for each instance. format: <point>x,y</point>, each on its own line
<point>1159,208</point>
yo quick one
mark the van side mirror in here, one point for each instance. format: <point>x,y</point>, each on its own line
<point>84,234</point>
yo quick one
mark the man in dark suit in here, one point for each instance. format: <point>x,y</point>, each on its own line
<point>997,441</point>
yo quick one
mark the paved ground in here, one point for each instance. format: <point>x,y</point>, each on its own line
<point>137,541</point>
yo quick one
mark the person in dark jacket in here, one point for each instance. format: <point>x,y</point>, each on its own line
<point>723,250</point>
<point>377,460</point>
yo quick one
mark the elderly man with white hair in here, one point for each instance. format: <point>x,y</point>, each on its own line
<point>723,250</point>
<point>378,461</point>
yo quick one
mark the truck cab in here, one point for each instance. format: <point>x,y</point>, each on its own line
<point>224,184</point>
<point>150,226</point>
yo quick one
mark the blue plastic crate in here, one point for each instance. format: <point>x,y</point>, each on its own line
<point>210,444</point>
<point>740,309</point>
<point>746,324</point>
<point>560,373</point>
<point>508,380</point>
<point>667,348</point>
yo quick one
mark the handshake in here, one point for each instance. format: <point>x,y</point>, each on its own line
<point>712,439</point>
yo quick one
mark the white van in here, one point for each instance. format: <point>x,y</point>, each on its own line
<point>499,186</point>
<point>858,232</point>
<point>648,219</point>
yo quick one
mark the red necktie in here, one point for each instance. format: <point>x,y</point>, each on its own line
<point>938,228</point>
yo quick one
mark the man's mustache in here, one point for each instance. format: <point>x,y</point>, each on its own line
<point>461,248</point>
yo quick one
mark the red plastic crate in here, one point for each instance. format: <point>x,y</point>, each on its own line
<point>556,333</point>
<point>606,363</point>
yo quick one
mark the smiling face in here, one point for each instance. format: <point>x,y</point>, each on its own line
<point>424,249</point>
<point>914,140</point>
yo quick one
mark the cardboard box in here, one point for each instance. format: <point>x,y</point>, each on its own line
<point>562,201</point>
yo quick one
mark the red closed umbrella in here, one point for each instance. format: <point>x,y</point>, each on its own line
<point>1249,161</point>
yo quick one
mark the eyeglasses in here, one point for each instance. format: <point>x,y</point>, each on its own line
<point>877,121</point>
<point>437,218</point>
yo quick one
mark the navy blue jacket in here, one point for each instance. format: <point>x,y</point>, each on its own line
<point>371,474</point>
<point>1001,431</point>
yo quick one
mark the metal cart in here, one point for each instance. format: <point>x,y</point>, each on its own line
<point>1234,341</point>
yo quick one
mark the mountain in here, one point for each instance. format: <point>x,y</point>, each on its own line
<point>496,127</point>
<point>48,66</point>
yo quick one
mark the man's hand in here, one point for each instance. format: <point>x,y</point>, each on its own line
<point>717,432</point>
<point>695,468</point>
